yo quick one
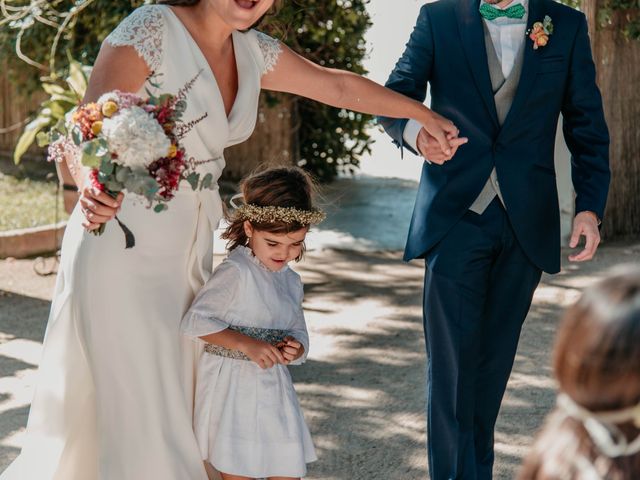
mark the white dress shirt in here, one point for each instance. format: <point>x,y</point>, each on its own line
<point>508,36</point>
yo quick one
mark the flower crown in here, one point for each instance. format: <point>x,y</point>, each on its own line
<point>271,214</point>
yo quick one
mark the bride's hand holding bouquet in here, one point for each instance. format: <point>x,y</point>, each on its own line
<point>128,143</point>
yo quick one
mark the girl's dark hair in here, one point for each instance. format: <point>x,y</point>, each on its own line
<point>597,364</point>
<point>277,4</point>
<point>276,187</point>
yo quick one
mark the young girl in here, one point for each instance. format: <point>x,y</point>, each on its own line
<point>594,432</point>
<point>248,421</point>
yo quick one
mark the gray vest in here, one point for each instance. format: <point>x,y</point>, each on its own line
<point>504,91</point>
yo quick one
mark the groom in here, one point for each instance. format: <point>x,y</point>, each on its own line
<point>486,218</point>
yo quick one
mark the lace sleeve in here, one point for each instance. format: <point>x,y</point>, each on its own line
<point>142,30</point>
<point>271,50</point>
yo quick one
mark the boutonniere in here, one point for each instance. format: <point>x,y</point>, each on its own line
<point>540,32</point>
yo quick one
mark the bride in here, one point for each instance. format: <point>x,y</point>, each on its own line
<point>115,386</point>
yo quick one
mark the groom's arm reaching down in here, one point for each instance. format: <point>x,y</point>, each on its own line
<point>411,76</point>
<point>587,136</point>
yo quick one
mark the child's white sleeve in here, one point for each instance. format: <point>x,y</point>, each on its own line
<point>208,311</point>
<point>299,331</point>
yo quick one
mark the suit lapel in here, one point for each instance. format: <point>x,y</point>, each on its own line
<point>472,35</point>
<point>529,63</point>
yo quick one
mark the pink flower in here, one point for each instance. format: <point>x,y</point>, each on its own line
<point>93,178</point>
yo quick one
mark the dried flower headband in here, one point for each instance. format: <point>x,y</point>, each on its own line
<point>272,214</point>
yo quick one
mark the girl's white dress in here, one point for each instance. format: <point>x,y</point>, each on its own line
<point>248,420</point>
<point>114,397</point>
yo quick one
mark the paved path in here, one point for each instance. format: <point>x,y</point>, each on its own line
<point>362,388</point>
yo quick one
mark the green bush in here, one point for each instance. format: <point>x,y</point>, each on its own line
<point>330,33</point>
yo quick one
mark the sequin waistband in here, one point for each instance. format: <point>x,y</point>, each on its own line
<point>269,335</point>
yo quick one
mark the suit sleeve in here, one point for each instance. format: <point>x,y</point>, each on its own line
<point>411,75</point>
<point>585,128</point>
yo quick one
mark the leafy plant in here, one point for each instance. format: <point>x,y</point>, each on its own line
<point>330,33</point>
<point>63,96</point>
<point>627,12</point>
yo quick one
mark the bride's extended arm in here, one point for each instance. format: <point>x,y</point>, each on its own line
<point>118,68</point>
<point>343,89</point>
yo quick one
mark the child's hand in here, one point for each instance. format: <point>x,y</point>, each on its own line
<point>291,349</point>
<point>262,353</point>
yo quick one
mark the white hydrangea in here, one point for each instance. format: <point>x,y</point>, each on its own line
<point>136,137</point>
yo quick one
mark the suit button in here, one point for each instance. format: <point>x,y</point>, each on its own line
<point>497,148</point>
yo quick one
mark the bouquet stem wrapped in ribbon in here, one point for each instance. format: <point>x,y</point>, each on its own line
<point>133,144</point>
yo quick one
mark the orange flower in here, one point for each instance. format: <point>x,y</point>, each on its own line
<point>540,32</point>
<point>85,116</point>
<point>541,41</point>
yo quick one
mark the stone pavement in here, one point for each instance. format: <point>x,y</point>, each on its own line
<point>362,387</point>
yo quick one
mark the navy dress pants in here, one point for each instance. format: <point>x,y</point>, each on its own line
<point>478,289</point>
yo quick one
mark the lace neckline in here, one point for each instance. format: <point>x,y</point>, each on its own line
<point>248,253</point>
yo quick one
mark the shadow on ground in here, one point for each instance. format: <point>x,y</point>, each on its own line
<point>363,386</point>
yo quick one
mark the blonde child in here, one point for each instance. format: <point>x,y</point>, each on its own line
<point>248,420</point>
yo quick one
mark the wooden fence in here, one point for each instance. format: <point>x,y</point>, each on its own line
<point>15,110</point>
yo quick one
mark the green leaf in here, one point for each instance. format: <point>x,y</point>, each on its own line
<point>57,109</point>
<point>90,161</point>
<point>43,139</point>
<point>102,178</point>
<point>193,178</point>
<point>113,186</point>
<point>106,166</point>
<point>60,128</point>
<point>161,207</point>
<point>77,79</point>
<point>140,183</point>
<point>66,100</point>
<point>206,181</point>
<point>164,98</point>
<point>123,174</point>
<point>29,135</point>
<point>76,136</point>
<point>94,155</point>
<point>52,88</point>
<point>102,148</point>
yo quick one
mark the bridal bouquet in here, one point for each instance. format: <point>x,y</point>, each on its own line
<point>132,144</point>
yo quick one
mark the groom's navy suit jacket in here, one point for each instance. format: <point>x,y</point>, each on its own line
<point>447,50</point>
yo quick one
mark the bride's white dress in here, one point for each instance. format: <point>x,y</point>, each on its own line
<point>115,390</point>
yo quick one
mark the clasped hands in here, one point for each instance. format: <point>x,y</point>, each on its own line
<point>266,355</point>
<point>437,151</point>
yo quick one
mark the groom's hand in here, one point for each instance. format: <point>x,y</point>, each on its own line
<point>431,150</point>
<point>585,224</point>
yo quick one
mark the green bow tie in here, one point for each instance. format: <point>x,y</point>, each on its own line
<point>489,12</point>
